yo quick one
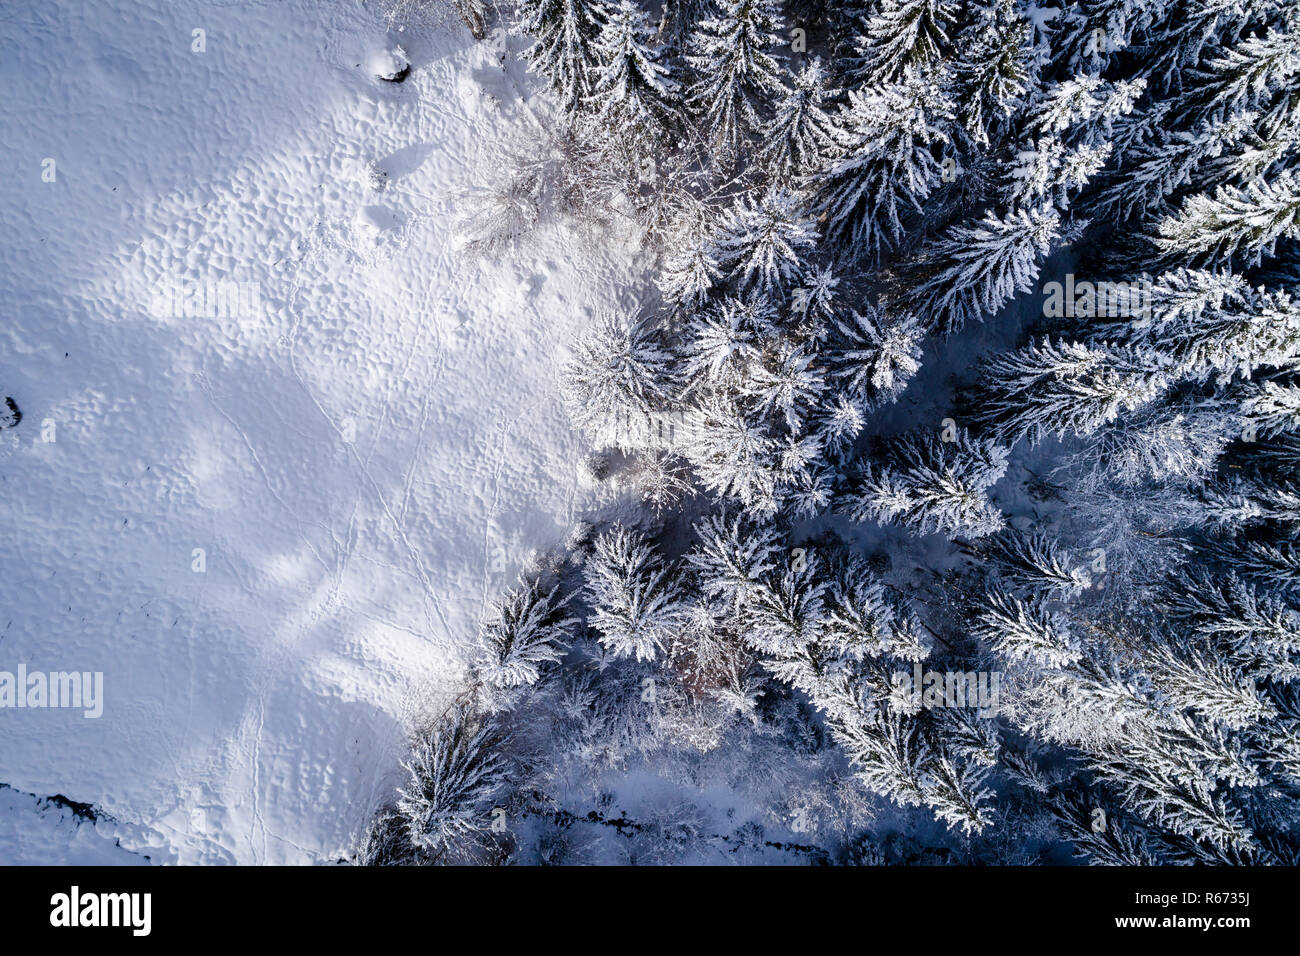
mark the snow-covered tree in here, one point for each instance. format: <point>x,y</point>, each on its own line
<point>1235,224</point>
<point>1034,562</point>
<point>1025,629</point>
<point>763,242</point>
<point>526,631</point>
<point>786,386</point>
<point>799,133</point>
<point>455,770</point>
<point>1115,844</point>
<point>1256,633</point>
<point>882,163</point>
<point>1154,170</point>
<point>834,428</point>
<point>957,793</point>
<point>737,78</point>
<point>634,88</point>
<point>732,453</point>
<point>1061,389</point>
<point>1084,108</point>
<point>1272,408</point>
<point>564,51</point>
<point>1248,73</point>
<point>692,266</point>
<point>1202,325</point>
<point>1200,682</point>
<point>732,559</point>
<point>787,614</point>
<point>860,620</point>
<point>724,341</point>
<point>875,355</point>
<point>974,270</point>
<point>903,35</point>
<point>994,67</point>
<point>1275,565</point>
<point>634,599</point>
<point>933,486</point>
<point>617,383</point>
<point>662,480</point>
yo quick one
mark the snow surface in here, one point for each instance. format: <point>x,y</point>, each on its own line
<point>42,831</point>
<point>364,458</point>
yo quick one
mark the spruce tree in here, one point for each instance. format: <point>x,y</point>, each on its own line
<point>617,383</point>
<point>737,78</point>
<point>634,89</point>
<point>455,770</point>
<point>634,599</point>
<point>882,162</point>
<point>564,49</point>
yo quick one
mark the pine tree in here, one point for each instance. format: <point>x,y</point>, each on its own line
<point>1173,442</point>
<point>888,754</point>
<point>1084,108</point>
<point>808,492</point>
<point>526,631</point>
<point>1263,150</point>
<point>692,266</point>
<point>736,76</point>
<point>1051,172</point>
<point>732,558</point>
<point>1115,843</point>
<point>1152,171</point>
<point>680,18</point>
<point>800,131</point>
<point>1246,74</point>
<point>1256,634</point>
<point>1273,565</point>
<point>786,615</point>
<point>1025,630</point>
<point>1159,775</point>
<point>787,384</point>
<point>994,67</point>
<point>564,51</point>
<point>764,242</point>
<point>617,383</point>
<point>1190,31</point>
<point>904,35</point>
<point>732,453</point>
<point>724,341</point>
<point>1201,325</point>
<point>635,601</point>
<point>935,486</point>
<point>456,769</point>
<point>1272,408</point>
<point>874,356</point>
<point>974,270</point>
<point>835,426</point>
<point>957,793</point>
<point>1205,684</point>
<point>1236,224</point>
<point>859,620</point>
<point>1089,33</point>
<point>1063,389</point>
<point>1033,562</point>
<point>882,162</point>
<point>634,87</point>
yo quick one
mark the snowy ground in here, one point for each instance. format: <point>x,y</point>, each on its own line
<point>354,463</point>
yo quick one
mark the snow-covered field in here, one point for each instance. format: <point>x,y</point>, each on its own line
<point>272,531</point>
